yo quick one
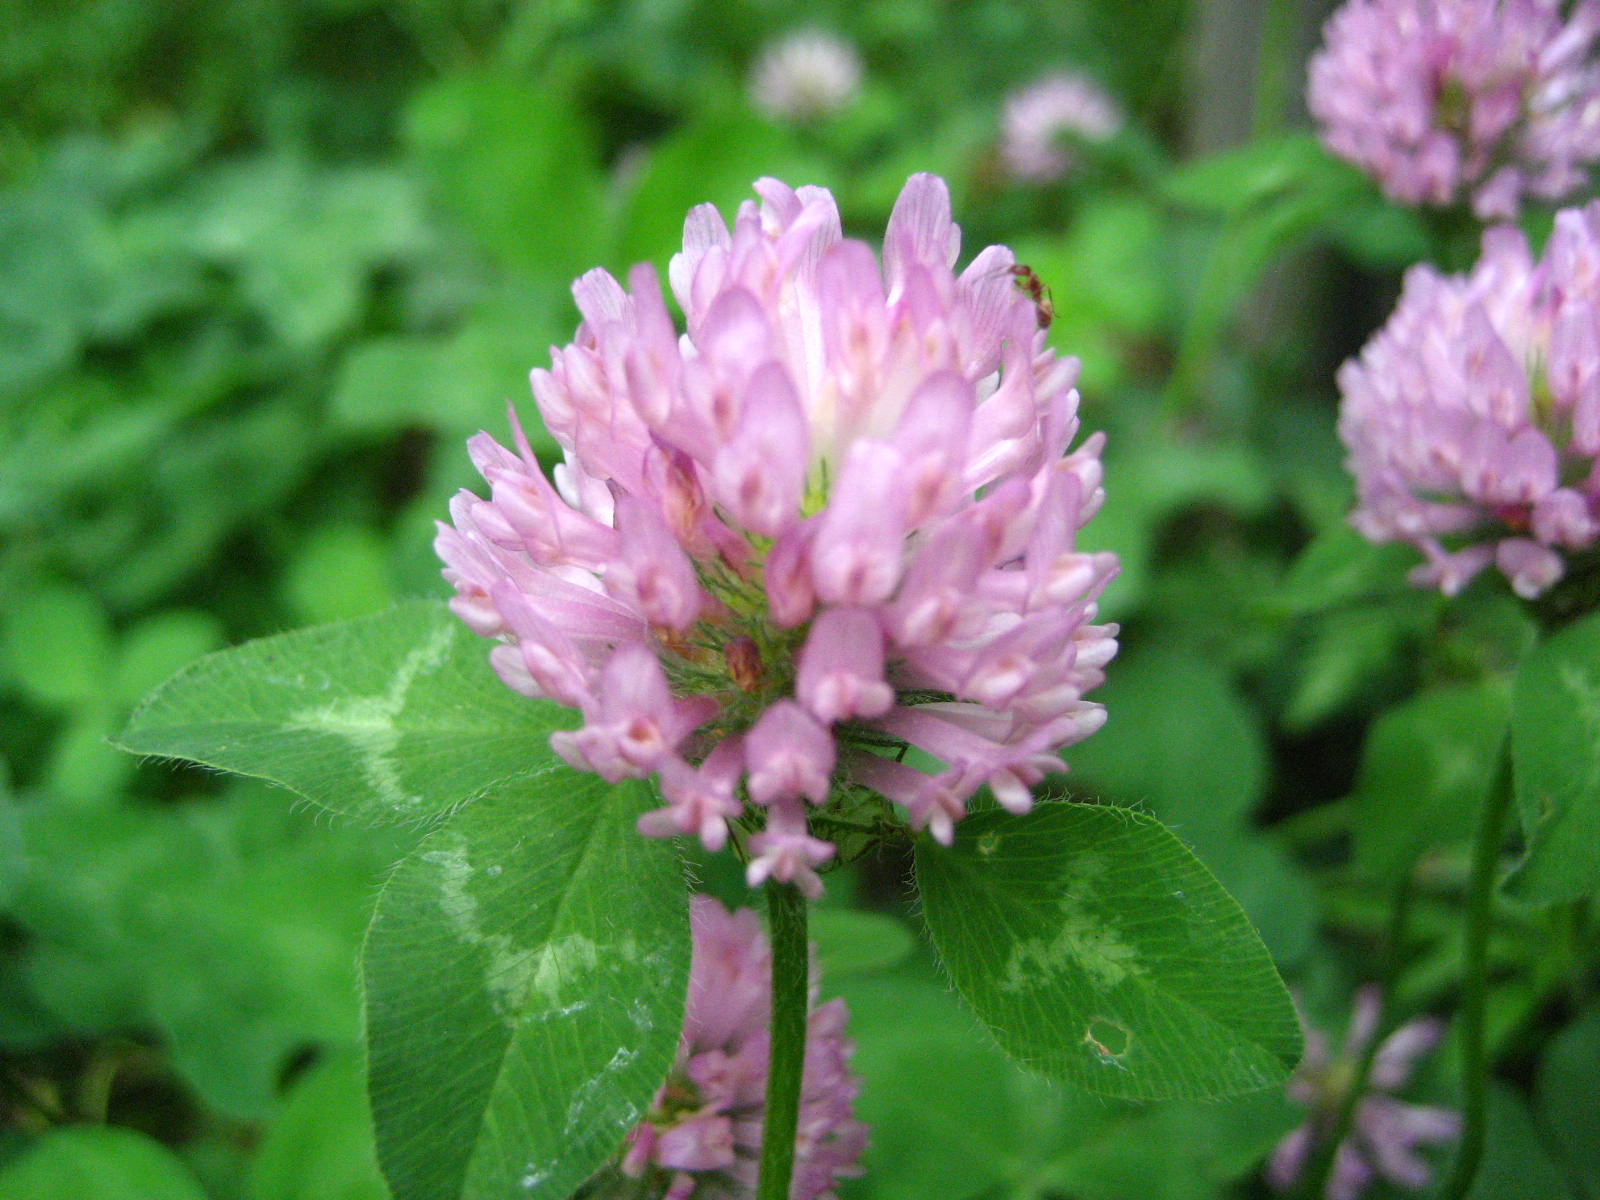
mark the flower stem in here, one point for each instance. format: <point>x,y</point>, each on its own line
<point>791,968</point>
<point>1274,62</point>
<point>1475,984</point>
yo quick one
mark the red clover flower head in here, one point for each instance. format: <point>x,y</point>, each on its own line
<point>702,1134</point>
<point>834,519</point>
<point>1442,100</point>
<point>1385,1132</point>
<point>1041,121</point>
<point>1473,417</point>
<point>805,75</point>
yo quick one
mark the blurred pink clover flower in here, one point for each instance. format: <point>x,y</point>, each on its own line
<point>1472,418</point>
<point>805,75</point>
<point>1444,100</point>
<point>1040,123</point>
<point>702,1133</point>
<point>1385,1132</point>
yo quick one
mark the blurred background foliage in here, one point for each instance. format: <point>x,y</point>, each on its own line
<point>266,264</point>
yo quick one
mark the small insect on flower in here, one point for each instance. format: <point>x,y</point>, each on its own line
<point>1030,285</point>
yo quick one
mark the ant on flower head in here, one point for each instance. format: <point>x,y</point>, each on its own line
<point>1033,287</point>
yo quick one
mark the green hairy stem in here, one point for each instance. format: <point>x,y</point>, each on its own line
<point>791,965</point>
<point>1475,987</point>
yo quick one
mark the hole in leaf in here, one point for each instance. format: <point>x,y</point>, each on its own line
<point>1107,1040</point>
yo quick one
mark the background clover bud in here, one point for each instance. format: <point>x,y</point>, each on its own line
<point>805,75</point>
<point>1042,121</point>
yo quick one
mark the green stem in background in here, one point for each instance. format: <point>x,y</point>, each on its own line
<point>1273,61</point>
<point>1316,1179</point>
<point>791,971</point>
<point>1251,237</point>
<point>1475,984</point>
<point>1249,241</point>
